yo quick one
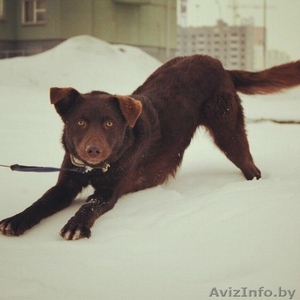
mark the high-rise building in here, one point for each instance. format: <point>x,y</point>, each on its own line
<point>232,45</point>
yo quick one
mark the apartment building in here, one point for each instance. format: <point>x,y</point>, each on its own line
<point>233,45</point>
<point>32,26</point>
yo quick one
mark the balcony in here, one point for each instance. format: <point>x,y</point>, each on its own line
<point>136,2</point>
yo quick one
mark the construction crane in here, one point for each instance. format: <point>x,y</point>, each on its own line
<point>183,24</point>
<point>183,13</point>
<point>235,7</point>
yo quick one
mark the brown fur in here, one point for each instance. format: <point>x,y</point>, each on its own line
<point>143,136</point>
<point>272,80</point>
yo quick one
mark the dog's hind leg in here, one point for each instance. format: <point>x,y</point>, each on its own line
<point>235,146</point>
<point>226,125</point>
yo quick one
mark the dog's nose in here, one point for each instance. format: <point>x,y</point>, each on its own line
<point>93,151</point>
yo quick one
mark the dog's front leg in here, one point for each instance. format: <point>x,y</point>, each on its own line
<point>79,226</point>
<point>54,200</point>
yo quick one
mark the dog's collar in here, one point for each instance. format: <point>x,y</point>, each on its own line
<point>78,163</point>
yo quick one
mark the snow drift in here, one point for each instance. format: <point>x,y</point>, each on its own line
<point>206,232</point>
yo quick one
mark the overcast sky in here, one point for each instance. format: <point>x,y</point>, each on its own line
<point>283,19</point>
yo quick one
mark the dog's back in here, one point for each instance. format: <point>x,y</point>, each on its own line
<point>196,90</point>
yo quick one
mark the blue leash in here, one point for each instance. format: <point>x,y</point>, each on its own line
<point>21,168</point>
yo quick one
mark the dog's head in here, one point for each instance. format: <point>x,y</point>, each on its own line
<point>95,123</point>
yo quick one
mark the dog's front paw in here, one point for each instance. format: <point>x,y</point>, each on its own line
<point>13,226</point>
<point>74,231</point>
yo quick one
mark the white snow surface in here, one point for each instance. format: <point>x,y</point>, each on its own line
<point>207,228</point>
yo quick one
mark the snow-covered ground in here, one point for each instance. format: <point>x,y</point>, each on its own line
<point>206,233</point>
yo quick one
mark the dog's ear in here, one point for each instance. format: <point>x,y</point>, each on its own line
<point>63,99</point>
<point>131,109</point>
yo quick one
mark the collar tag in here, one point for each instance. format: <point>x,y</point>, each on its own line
<point>105,167</point>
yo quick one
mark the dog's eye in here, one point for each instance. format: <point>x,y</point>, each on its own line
<point>81,123</point>
<point>109,124</point>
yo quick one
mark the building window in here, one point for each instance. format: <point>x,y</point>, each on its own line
<point>33,12</point>
<point>1,9</point>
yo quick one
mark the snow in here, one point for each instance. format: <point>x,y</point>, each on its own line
<point>205,231</point>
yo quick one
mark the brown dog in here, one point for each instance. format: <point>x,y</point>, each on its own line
<point>130,143</point>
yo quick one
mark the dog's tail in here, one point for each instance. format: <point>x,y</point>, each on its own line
<point>268,81</point>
